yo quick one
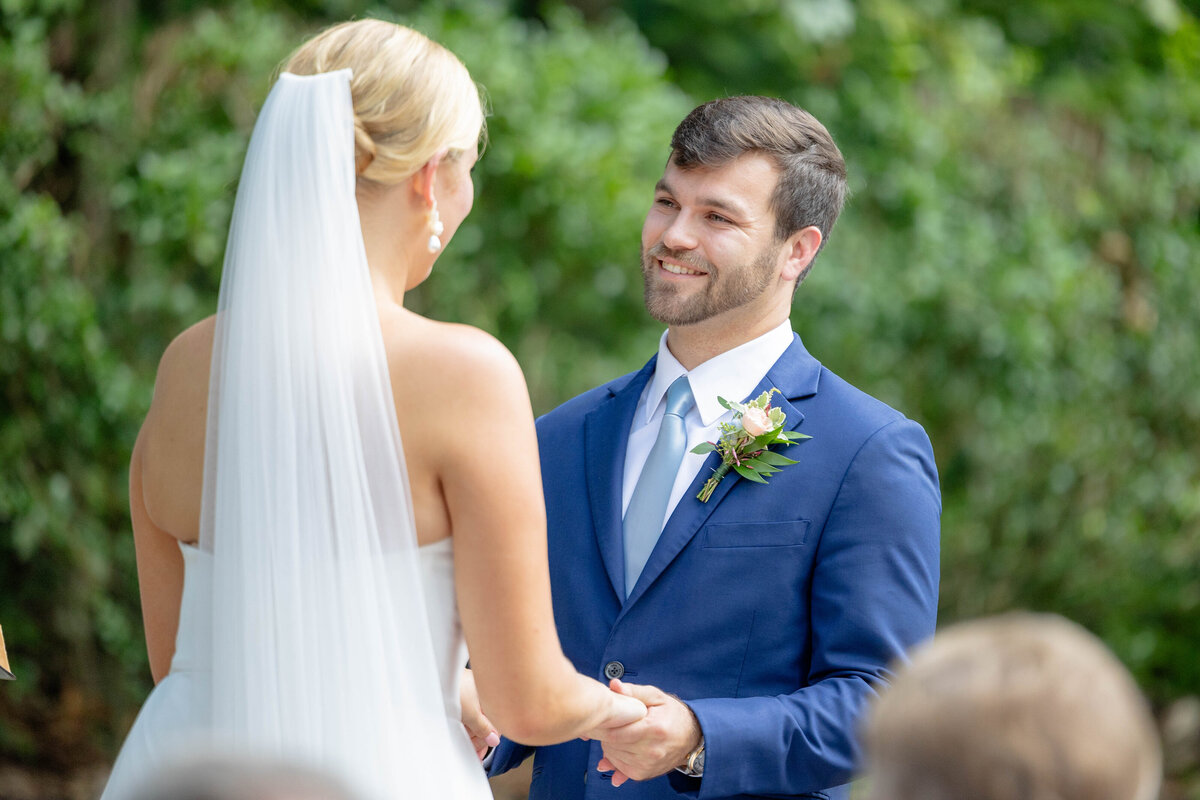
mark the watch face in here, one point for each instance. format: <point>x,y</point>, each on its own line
<point>698,763</point>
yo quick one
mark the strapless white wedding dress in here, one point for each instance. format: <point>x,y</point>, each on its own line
<point>174,716</point>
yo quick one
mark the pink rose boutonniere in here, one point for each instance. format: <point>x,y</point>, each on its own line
<point>744,441</point>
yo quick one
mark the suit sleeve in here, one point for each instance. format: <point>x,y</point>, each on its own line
<point>507,755</point>
<point>874,595</point>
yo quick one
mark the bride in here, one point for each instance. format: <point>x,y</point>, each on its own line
<point>307,583</point>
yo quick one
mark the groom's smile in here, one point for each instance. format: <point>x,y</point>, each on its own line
<point>678,269</point>
<point>675,263</point>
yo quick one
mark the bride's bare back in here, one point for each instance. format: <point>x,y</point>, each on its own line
<point>453,386</point>
<point>471,450</point>
<point>432,365</point>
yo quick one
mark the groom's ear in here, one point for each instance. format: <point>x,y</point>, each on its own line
<point>799,251</point>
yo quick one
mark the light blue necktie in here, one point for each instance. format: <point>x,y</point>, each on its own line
<point>648,506</point>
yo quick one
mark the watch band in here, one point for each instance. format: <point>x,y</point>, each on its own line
<point>693,767</point>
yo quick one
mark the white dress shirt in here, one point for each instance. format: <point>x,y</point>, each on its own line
<point>732,375</point>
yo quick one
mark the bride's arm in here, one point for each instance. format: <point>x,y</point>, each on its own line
<point>160,573</point>
<point>491,480</point>
<point>165,472</point>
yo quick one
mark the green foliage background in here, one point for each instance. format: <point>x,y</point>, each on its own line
<point>1014,270</point>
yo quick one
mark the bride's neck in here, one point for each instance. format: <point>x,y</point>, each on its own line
<point>391,229</point>
<point>387,285</point>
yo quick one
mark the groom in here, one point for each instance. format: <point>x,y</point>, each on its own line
<point>756,624</point>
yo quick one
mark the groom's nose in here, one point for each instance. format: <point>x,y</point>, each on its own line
<point>680,234</point>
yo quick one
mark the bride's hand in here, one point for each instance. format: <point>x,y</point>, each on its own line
<point>479,727</point>
<point>621,710</point>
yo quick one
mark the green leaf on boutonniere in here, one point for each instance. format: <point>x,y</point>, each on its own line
<point>744,453</point>
<point>775,459</point>
<point>764,441</point>
<point>749,474</point>
<point>760,467</point>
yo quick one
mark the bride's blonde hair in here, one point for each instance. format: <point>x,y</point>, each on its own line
<point>412,97</point>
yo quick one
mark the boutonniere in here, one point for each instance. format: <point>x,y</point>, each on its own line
<point>743,443</point>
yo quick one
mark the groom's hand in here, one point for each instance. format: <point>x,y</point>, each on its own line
<point>655,744</point>
<point>479,727</point>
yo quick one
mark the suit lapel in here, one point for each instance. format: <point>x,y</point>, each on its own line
<point>796,374</point>
<point>606,437</point>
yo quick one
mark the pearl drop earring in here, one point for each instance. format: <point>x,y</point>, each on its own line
<point>435,227</point>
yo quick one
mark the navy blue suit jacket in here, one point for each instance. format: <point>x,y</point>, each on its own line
<point>773,611</point>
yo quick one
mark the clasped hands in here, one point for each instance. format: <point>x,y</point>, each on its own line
<point>655,744</point>
<point>652,746</point>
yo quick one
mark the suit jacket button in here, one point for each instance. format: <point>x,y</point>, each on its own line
<point>614,669</point>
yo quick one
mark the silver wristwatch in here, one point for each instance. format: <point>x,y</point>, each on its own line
<point>693,767</point>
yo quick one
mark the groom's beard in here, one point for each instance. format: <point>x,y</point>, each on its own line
<point>723,289</point>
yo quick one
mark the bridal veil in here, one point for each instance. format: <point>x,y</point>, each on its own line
<point>321,645</point>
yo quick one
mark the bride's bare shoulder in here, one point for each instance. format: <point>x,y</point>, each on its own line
<point>184,366</point>
<point>171,443</point>
<point>447,360</point>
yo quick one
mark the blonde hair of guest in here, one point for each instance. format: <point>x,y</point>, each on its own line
<point>1016,707</point>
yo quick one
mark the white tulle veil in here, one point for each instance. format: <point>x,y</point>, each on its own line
<point>321,644</point>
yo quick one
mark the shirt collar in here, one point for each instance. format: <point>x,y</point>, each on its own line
<point>732,374</point>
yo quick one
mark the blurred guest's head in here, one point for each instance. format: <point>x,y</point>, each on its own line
<point>1016,707</point>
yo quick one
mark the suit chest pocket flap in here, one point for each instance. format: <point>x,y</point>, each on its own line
<point>791,533</point>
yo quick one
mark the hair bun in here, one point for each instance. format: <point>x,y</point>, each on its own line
<point>412,97</point>
<point>364,147</point>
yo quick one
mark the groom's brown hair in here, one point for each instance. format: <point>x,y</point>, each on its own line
<point>812,172</point>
